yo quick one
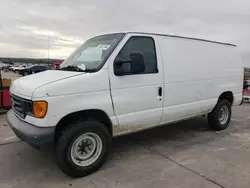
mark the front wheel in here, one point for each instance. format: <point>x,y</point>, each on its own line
<point>83,148</point>
<point>220,117</point>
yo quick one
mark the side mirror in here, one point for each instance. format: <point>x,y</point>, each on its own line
<point>134,65</point>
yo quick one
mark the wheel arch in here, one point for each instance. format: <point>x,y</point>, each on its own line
<point>228,95</point>
<point>95,114</point>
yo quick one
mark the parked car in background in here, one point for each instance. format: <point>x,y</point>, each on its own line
<point>18,68</point>
<point>2,66</point>
<point>12,67</point>
<point>8,63</point>
<point>55,65</point>
<point>6,68</point>
<point>33,69</point>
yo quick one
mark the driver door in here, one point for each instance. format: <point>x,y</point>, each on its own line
<point>137,98</point>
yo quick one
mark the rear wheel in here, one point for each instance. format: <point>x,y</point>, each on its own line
<point>25,73</point>
<point>83,148</point>
<point>220,117</point>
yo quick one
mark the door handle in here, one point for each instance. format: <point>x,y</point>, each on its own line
<point>159,91</point>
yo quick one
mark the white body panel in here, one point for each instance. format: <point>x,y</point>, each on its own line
<point>136,101</point>
<point>25,86</point>
<point>192,75</point>
<point>196,73</point>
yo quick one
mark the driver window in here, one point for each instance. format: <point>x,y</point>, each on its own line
<point>144,45</point>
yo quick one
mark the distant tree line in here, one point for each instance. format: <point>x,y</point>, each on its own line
<point>28,60</point>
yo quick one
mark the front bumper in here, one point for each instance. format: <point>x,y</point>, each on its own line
<point>35,136</point>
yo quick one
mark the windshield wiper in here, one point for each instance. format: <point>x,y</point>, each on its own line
<point>73,68</point>
<point>76,68</point>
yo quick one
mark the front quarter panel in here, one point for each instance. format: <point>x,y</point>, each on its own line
<point>84,92</point>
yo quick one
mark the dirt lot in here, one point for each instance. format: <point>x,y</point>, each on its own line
<point>10,75</point>
<point>186,154</point>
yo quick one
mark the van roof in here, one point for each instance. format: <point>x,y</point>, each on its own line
<point>176,36</point>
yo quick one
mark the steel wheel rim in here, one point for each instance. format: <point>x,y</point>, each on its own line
<point>86,149</point>
<point>223,114</point>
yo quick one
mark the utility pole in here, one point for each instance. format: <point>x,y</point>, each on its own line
<point>49,47</point>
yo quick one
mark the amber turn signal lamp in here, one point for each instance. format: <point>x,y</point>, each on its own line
<point>40,108</point>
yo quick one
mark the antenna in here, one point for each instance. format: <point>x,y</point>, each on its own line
<point>49,47</point>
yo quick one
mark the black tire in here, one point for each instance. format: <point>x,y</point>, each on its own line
<point>25,73</point>
<point>214,117</point>
<point>65,143</point>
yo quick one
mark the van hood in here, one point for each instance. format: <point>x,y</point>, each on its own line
<point>25,86</point>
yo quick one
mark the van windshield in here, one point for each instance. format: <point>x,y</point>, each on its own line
<point>92,54</point>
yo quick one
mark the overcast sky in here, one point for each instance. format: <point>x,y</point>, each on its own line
<point>25,24</point>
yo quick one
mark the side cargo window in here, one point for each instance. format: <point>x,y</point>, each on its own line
<point>144,45</point>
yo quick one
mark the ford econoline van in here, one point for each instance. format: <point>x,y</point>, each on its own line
<point>121,83</point>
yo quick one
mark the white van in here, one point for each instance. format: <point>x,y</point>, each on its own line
<point>121,83</point>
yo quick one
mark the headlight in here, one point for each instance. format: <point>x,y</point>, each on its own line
<point>40,108</point>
